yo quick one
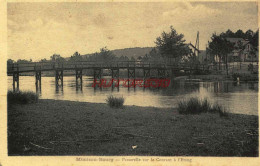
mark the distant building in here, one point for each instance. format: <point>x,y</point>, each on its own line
<point>243,50</point>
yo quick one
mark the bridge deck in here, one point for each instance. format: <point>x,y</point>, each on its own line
<point>51,66</point>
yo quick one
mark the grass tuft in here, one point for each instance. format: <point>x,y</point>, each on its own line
<point>20,97</point>
<point>197,106</point>
<point>115,102</point>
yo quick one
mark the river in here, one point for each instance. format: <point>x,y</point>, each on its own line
<point>239,98</point>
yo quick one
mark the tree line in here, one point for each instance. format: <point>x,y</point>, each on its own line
<point>169,46</point>
<point>104,55</point>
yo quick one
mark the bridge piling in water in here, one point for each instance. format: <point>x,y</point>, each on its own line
<point>58,77</point>
<point>146,74</point>
<point>79,76</point>
<point>16,81</point>
<point>115,76</point>
<point>161,73</point>
<point>38,80</point>
<point>97,76</point>
<point>131,75</point>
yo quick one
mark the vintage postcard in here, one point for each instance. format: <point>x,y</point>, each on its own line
<point>129,83</point>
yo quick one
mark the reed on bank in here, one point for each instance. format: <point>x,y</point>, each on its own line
<point>22,97</point>
<point>198,106</point>
<point>116,102</point>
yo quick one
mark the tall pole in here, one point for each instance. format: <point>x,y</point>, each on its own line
<point>198,37</point>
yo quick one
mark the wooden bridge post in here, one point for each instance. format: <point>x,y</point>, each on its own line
<point>38,74</point>
<point>16,81</point>
<point>161,73</point>
<point>115,76</point>
<point>131,74</point>
<point>59,76</point>
<point>97,77</point>
<point>38,80</point>
<point>147,74</point>
<point>78,76</point>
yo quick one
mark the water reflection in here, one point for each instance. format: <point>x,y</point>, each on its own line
<point>238,97</point>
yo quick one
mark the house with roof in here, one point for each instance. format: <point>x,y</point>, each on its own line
<point>243,50</point>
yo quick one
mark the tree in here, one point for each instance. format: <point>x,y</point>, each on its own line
<point>240,34</point>
<point>254,41</point>
<point>219,46</point>
<point>10,61</point>
<point>171,45</point>
<point>57,58</point>
<point>23,61</point>
<point>249,34</point>
<point>132,59</point>
<point>106,55</point>
<point>44,60</point>
<point>140,58</point>
<point>123,58</point>
<point>154,55</point>
<point>228,33</point>
<point>146,58</point>
<point>76,57</point>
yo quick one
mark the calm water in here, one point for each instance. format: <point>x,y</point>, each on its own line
<point>237,97</point>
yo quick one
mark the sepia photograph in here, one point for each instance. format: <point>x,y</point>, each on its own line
<point>166,79</point>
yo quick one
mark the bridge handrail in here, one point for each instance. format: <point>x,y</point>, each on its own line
<point>83,64</point>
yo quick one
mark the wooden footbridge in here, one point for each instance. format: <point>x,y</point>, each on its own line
<point>164,70</point>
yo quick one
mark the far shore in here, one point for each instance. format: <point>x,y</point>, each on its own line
<point>56,127</point>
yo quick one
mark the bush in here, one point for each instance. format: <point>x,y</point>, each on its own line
<point>197,106</point>
<point>115,102</point>
<point>219,109</point>
<point>20,97</point>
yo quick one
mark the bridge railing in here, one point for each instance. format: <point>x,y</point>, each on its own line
<point>68,65</point>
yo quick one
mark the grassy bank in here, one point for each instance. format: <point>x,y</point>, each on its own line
<point>52,127</point>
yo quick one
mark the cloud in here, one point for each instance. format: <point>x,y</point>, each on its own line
<point>189,13</point>
<point>35,34</point>
<point>100,20</point>
<point>25,26</point>
<point>38,39</point>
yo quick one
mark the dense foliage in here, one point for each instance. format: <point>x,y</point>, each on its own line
<point>172,45</point>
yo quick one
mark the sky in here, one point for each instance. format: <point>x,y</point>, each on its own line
<point>38,30</point>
